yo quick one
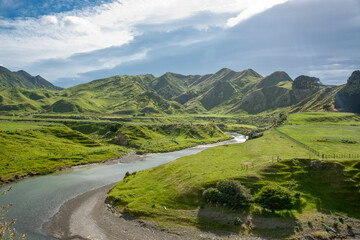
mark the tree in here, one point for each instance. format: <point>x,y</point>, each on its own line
<point>306,82</point>
<point>274,197</point>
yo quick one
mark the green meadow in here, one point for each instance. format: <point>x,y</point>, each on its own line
<point>31,148</point>
<point>36,146</point>
<point>328,133</point>
<point>171,194</point>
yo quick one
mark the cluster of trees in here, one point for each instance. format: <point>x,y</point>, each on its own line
<point>232,194</point>
<point>306,82</point>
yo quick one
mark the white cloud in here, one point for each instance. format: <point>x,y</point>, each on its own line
<point>27,40</point>
<point>254,8</point>
<point>49,19</point>
<point>333,73</point>
<point>74,68</point>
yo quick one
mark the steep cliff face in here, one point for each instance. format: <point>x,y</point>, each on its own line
<point>270,98</point>
<point>348,98</point>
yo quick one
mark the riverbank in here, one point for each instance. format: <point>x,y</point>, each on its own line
<point>89,217</point>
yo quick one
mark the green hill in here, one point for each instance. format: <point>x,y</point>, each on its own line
<point>274,79</point>
<point>22,79</point>
<point>173,194</point>
<point>224,92</point>
<point>348,98</point>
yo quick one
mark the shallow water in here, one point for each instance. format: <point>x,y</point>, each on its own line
<point>37,199</point>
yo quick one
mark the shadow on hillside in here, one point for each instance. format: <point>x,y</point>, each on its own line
<point>262,223</point>
<point>329,185</point>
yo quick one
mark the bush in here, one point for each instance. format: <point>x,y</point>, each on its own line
<point>230,193</point>
<point>237,221</point>
<point>297,195</point>
<point>212,195</point>
<point>274,197</point>
<point>233,193</point>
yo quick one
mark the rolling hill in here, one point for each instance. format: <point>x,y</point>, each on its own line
<point>22,79</point>
<point>225,92</point>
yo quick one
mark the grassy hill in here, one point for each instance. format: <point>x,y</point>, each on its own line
<point>22,79</point>
<point>224,92</point>
<point>171,194</point>
<point>36,148</point>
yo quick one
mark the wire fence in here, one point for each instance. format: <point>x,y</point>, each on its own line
<point>320,154</point>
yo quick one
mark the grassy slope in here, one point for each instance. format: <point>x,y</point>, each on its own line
<point>328,133</point>
<point>224,92</point>
<point>178,185</point>
<point>170,137</point>
<point>41,148</point>
<point>332,186</point>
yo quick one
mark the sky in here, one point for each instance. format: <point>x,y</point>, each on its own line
<point>69,42</point>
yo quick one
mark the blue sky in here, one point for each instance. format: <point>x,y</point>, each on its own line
<point>70,42</point>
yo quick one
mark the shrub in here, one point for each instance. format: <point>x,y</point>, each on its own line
<point>233,193</point>
<point>237,221</point>
<point>230,193</point>
<point>212,195</point>
<point>274,197</point>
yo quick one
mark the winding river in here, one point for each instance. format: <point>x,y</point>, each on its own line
<point>37,199</point>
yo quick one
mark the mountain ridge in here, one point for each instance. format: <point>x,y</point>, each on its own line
<point>22,79</point>
<point>225,92</point>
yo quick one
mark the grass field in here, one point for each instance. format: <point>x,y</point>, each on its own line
<point>179,184</point>
<point>328,133</point>
<point>169,137</point>
<point>40,148</point>
<point>20,126</point>
<point>172,193</point>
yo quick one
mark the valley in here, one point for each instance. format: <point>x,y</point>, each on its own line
<point>303,137</point>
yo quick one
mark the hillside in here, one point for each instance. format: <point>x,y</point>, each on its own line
<point>324,176</point>
<point>224,92</point>
<point>348,98</point>
<point>22,79</point>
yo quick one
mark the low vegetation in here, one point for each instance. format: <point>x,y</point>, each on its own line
<point>303,188</point>
<point>36,146</point>
<point>29,149</point>
<point>168,137</point>
<point>275,197</point>
<point>228,193</point>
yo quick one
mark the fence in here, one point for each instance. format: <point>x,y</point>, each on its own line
<point>317,153</point>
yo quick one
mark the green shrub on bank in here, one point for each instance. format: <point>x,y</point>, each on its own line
<point>230,193</point>
<point>274,197</point>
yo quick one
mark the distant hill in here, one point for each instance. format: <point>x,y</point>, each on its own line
<point>22,79</point>
<point>115,95</point>
<point>348,98</point>
<point>275,79</point>
<point>224,92</point>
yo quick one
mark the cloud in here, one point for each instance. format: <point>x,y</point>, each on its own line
<point>74,66</point>
<point>60,35</point>
<point>254,8</point>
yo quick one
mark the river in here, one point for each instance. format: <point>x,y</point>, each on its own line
<point>35,200</point>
